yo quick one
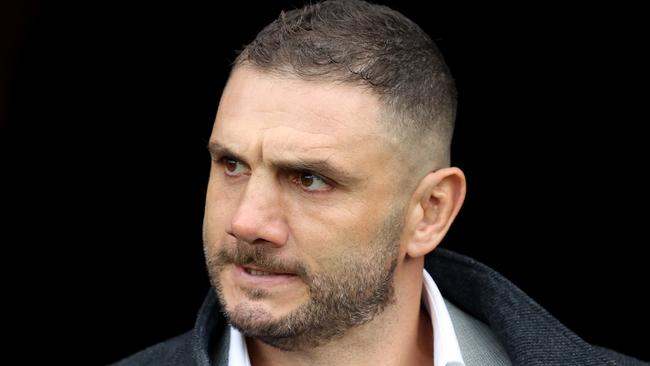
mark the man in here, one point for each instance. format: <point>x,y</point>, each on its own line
<point>330,184</point>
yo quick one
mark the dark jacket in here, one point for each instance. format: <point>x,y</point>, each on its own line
<point>529,333</point>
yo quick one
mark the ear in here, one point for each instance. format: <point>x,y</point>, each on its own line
<point>435,204</point>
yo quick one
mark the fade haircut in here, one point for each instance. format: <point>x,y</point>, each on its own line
<point>373,46</point>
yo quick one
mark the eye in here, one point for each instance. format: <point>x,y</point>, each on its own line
<point>232,167</point>
<point>312,182</point>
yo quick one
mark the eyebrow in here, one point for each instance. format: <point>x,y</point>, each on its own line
<point>218,151</point>
<point>321,167</point>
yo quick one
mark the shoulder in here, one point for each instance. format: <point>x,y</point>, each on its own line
<point>529,333</point>
<point>174,351</point>
<point>195,347</point>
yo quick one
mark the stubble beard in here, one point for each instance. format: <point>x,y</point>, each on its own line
<point>350,291</point>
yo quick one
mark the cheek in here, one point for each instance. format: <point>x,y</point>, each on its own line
<point>324,236</point>
<point>218,205</point>
<point>344,212</point>
<point>213,223</point>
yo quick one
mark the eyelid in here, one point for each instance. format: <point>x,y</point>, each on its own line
<point>295,178</point>
<point>325,179</point>
<point>311,172</point>
<point>223,160</point>
<point>226,158</point>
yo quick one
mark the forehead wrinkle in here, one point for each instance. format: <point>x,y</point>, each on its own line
<point>329,120</point>
<point>295,141</point>
<point>293,138</point>
<point>286,150</point>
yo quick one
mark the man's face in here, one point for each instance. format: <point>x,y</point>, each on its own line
<point>301,227</point>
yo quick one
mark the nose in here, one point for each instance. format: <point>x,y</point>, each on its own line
<point>258,218</point>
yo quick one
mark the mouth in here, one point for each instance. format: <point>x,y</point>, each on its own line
<point>257,271</point>
<point>253,276</point>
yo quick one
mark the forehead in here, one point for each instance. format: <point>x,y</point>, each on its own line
<point>263,111</point>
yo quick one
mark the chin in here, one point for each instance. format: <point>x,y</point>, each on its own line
<point>249,315</point>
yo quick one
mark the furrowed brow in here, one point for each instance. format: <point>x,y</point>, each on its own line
<point>316,166</point>
<point>217,151</point>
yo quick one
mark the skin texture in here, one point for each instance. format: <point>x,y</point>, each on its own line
<point>356,229</point>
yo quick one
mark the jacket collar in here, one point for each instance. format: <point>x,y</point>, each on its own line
<point>529,333</point>
<point>210,324</point>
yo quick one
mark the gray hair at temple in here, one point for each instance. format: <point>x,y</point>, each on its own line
<point>373,46</point>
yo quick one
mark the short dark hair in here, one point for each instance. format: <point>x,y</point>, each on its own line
<point>355,42</point>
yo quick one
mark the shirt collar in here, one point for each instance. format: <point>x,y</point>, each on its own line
<point>446,351</point>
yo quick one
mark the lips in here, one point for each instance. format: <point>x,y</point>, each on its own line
<point>258,271</point>
<point>248,276</point>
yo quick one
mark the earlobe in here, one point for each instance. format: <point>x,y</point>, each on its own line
<point>439,197</point>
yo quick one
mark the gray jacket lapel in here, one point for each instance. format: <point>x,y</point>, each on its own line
<point>478,344</point>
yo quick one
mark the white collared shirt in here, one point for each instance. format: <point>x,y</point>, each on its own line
<point>446,351</point>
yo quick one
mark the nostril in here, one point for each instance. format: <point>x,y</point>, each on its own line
<point>272,231</point>
<point>259,219</point>
<point>247,232</point>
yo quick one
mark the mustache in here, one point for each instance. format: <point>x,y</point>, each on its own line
<point>245,254</point>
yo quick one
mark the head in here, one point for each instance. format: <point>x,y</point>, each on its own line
<point>330,178</point>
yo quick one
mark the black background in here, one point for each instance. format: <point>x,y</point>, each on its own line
<point>106,110</point>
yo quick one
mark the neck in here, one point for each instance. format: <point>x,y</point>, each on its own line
<point>400,335</point>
